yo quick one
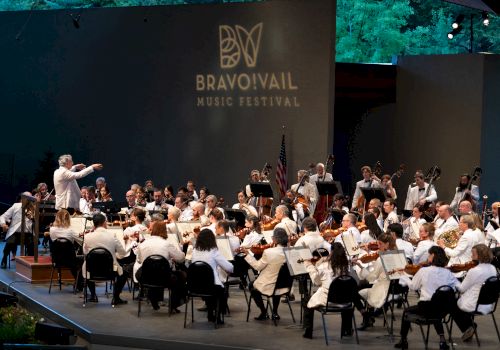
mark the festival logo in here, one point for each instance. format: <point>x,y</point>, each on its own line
<point>237,42</point>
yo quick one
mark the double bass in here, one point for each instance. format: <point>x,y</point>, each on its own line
<point>324,201</point>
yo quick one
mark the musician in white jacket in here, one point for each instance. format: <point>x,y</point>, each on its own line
<point>420,193</point>
<point>67,190</point>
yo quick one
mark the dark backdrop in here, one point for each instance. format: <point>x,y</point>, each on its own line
<point>121,89</point>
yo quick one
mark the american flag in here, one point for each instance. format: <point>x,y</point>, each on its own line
<point>281,179</point>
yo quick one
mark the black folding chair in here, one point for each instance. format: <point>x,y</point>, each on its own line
<point>63,257</point>
<point>490,290</point>
<point>284,282</point>
<point>239,277</point>
<point>443,301</point>
<point>155,274</point>
<point>99,267</point>
<point>340,298</point>
<point>396,294</point>
<point>200,284</point>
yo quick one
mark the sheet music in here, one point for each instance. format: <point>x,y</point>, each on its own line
<point>77,224</point>
<point>224,247</point>
<point>350,244</point>
<point>393,261</point>
<point>173,239</point>
<point>187,226</point>
<point>295,257</point>
<point>268,236</point>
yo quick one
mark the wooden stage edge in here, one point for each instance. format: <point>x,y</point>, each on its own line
<point>39,272</point>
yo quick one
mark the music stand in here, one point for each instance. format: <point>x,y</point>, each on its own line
<point>337,215</point>
<point>260,190</point>
<point>369,193</point>
<point>236,215</point>
<point>107,208</point>
<point>327,188</point>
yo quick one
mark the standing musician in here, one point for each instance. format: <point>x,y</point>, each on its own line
<point>254,177</point>
<point>421,253</point>
<point>67,190</point>
<point>416,194</point>
<point>10,221</point>
<point>462,191</point>
<point>307,190</point>
<point>282,215</point>
<point>242,204</point>
<point>389,190</point>
<point>369,181</point>
<point>389,210</point>
<point>427,280</point>
<point>320,175</point>
<point>268,266</point>
<point>470,288</point>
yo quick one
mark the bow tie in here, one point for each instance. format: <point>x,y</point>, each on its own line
<point>421,189</point>
<point>368,181</point>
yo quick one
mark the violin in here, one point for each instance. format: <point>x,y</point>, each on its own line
<point>361,226</point>
<point>462,267</point>
<point>270,225</point>
<point>258,249</point>
<point>242,233</point>
<point>367,258</point>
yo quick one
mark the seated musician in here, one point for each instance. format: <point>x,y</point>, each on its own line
<point>349,224</point>
<point>396,230</point>
<point>493,225</point>
<point>391,217</point>
<point>105,194</point>
<point>412,225</point>
<point>309,191</point>
<point>168,194</point>
<point>447,221</point>
<point>99,183</point>
<point>42,193</point>
<point>322,274</point>
<point>386,184</point>
<point>157,245</point>
<point>368,182</point>
<point>191,187</point>
<point>173,216</point>
<point>375,275</point>
<point>131,203</point>
<point>373,229</point>
<point>295,210</point>
<point>101,238</point>
<point>427,280</point>
<point>199,214</point>
<point>157,204</point>
<point>61,229</point>
<point>204,193</point>
<point>212,204</point>
<point>242,204</point>
<point>312,238</point>
<point>462,253</point>
<point>10,221</point>
<point>339,203</point>
<point>255,235</point>
<point>214,216</point>
<point>206,250</point>
<point>421,253</point>
<point>181,202</point>
<point>282,215</point>
<point>470,288</point>
<point>268,266</point>
<point>85,204</point>
<point>141,197</point>
<point>222,229</point>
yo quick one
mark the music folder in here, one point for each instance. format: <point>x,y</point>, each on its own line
<point>327,188</point>
<point>295,257</point>
<point>224,248</point>
<point>350,244</point>
<point>261,189</point>
<point>394,263</point>
<point>238,215</point>
<point>369,193</point>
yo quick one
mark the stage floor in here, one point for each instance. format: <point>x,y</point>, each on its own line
<point>103,327</point>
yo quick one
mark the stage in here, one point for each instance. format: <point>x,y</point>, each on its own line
<point>99,326</point>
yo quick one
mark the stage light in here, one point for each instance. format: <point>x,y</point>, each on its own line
<point>458,20</point>
<point>454,32</point>
<point>486,20</point>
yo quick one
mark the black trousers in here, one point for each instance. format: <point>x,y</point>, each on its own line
<point>462,319</point>
<point>177,287</point>
<point>346,316</point>
<point>257,297</point>
<point>423,308</point>
<point>219,295</point>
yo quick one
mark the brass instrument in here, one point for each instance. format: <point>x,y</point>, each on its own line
<point>485,207</point>
<point>451,237</point>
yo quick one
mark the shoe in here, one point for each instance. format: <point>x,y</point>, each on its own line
<point>93,299</point>
<point>219,321</point>
<point>4,262</point>
<point>403,344</point>
<point>118,301</point>
<point>275,317</point>
<point>155,305</point>
<point>176,311</point>
<point>204,308</point>
<point>368,321</point>
<point>443,345</point>
<point>308,334</point>
<point>291,297</point>
<point>346,333</point>
<point>468,334</point>
<point>261,317</point>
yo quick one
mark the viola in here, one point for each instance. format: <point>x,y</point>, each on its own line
<point>367,258</point>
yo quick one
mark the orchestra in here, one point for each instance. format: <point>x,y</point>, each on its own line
<point>169,224</point>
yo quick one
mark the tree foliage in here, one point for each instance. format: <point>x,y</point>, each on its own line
<point>367,30</point>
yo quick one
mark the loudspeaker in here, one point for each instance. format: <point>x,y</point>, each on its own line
<point>7,299</point>
<point>53,334</point>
